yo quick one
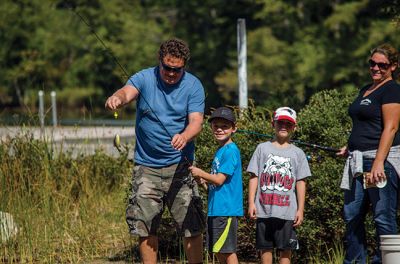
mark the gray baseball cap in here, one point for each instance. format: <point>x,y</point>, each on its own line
<point>224,113</point>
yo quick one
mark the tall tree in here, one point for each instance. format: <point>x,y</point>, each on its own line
<point>49,46</point>
<point>210,29</point>
<point>295,47</point>
<point>305,46</point>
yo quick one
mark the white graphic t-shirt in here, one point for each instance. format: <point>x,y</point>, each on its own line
<point>277,170</point>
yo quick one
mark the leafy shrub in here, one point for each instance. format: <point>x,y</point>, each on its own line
<point>323,121</point>
<point>34,175</point>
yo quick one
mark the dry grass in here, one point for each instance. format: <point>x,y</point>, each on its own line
<point>67,210</point>
<point>72,210</point>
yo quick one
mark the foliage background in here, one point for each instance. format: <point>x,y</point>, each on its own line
<point>324,121</point>
<point>72,209</point>
<point>295,47</point>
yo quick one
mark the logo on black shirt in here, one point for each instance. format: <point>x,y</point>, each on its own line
<point>365,102</point>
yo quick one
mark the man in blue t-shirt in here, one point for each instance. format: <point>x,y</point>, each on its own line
<point>169,115</point>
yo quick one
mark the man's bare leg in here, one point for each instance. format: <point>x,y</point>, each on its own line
<point>194,248</point>
<point>148,247</point>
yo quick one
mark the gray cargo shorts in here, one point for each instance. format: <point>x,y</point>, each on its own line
<point>155,188</point>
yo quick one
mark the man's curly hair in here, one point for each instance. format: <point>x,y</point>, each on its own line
<point>176,48</point>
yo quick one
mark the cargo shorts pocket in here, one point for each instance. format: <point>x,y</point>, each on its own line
<point>195,220</point>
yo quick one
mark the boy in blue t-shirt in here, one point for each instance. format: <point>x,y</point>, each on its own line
<point>225,188</point>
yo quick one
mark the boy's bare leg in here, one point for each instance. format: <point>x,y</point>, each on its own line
<point>228,258</point>
<point>285,257</point>
<point>266,256</point>
<point>148,247</point>
<point>194,248</point>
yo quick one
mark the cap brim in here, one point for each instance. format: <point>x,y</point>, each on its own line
<point>215,117</point>
<point>288,118</point>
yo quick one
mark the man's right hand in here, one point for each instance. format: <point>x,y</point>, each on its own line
<point>122,97</point>
<point>113,102</point>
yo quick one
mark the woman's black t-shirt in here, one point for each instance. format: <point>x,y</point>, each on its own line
<point>366,113</point>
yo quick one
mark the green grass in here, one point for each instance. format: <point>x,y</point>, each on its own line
<point>67,210</point>
<point>327,255</point>
<point>72,210</point>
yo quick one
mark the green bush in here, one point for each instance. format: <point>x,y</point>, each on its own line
<point>323,121</point>
<point>65,192</point>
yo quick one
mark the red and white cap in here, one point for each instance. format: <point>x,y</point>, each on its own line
<point>285,113</point>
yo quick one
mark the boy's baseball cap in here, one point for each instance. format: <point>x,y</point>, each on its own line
<point>223,112</point>
<point>285,113</point>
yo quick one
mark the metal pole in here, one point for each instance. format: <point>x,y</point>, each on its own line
<point>242,62</point>
<point>54,107</point>
<point>41,110</point>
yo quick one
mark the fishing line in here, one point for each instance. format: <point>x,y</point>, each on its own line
<point>129,80</point>
<point>119,64</point>
<point>99,39</point>
<point>311,145</point>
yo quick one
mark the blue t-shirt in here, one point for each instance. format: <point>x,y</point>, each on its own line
<point>161,112</point>
<point>226,199</point>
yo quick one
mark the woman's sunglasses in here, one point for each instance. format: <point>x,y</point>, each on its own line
<point>381,65</point>
<point>171,69</point>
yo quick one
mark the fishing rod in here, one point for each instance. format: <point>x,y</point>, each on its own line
<point>120,65</point>
<point>100,40</point>
<point>117,138</point>
<point>296,141</point>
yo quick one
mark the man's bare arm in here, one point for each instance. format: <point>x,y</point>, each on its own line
<point>121,97</point>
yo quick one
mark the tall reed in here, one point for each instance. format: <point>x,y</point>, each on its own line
<point>67,209</point>
<point>325,255</point>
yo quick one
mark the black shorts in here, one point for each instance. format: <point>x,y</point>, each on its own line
<point>222,234</point>
<point>275,233</point>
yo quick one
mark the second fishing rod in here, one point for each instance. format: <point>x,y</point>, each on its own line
<point>298,142</point>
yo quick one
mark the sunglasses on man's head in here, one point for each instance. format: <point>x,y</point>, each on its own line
<point>171,69</point>
<point>381,65</point>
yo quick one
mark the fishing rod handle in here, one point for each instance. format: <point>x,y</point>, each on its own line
<point>329,149</point>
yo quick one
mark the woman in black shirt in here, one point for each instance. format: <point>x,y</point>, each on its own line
<point>375,141</point>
